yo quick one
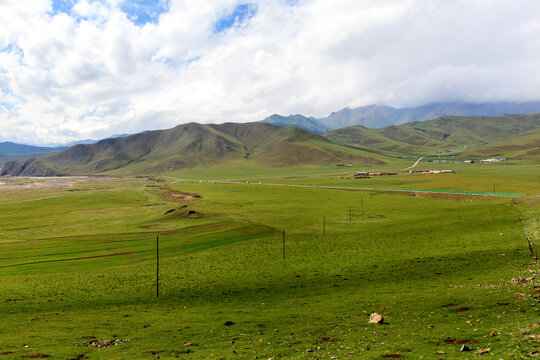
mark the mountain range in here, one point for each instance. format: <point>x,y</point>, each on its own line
<point>193,145</point>
<point>377,116</point>
<point>293,140</point>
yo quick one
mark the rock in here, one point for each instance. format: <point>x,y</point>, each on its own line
<point>517,280</point>
<point>105,343</point>
<point>228,323</point>
<point>376,318</point>
<point>440,352</point>
<point>326,338</point>
<point>482,351</point>
<point>465,348</point>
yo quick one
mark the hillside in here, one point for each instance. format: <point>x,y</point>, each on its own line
<point>445,133</point>
<point>477,130</point>
<point>523,146</point>
<point>192,145</point>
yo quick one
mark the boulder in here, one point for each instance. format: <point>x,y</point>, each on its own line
<point>376,318</point>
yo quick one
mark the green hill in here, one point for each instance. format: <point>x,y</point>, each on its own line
<point>451,133</point>
<point>192,145</point>
<point>526,145</point>
<point>476,130</point>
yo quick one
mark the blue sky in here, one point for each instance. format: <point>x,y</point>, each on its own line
<point>139,12</point>
<point>76,69</point>
<point>240,14</point>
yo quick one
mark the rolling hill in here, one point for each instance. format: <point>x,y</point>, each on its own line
<point>525,145</point>
<point>192,145</point>
<point>445,133</point>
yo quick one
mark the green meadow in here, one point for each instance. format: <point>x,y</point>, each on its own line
<point>252,268</point>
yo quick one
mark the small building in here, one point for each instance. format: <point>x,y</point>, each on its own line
<point>361,175</point>
<point>493,160</point>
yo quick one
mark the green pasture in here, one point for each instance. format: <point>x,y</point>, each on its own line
<point>511,177</point>
<point>233,287</point>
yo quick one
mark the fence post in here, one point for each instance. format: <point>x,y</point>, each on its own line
<point>157,266</point>
<point>283,244</point>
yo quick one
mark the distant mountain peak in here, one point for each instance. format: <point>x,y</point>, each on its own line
<point>377,116</point>
<point>308,123</point>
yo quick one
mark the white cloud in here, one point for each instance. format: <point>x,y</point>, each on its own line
<point>94,72</point>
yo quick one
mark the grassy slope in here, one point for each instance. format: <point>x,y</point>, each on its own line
<point>192,145</point>
<point>188,144</point>
<point>445,133</point>
<point>525,145</point>
<point>479,130</point>
<point>408,257</point>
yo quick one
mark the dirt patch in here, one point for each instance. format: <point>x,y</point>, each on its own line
<point>448,305</point>
<point>42,183</point>
<point>446,196</point>
<point>176,195</point>
<point>462,309</point>
<point>6,353</point>
<point>38,356</point>
<point>326,338</point>
<point>461,341</point>
<point>392,356</point>
<point>80,357</point>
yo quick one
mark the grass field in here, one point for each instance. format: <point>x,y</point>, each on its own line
<point>77,265</point>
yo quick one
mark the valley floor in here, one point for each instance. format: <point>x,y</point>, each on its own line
<point>251,271</point>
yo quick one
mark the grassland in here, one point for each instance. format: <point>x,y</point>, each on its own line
<point>436,266</point>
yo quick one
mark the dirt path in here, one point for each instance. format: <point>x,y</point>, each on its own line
<point>413,165</point>
<point>330,187</point>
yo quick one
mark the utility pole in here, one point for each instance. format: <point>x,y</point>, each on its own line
<point>283,244</point>
<point>157,266</point>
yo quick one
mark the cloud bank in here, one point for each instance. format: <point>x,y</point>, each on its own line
<point>73,69</point>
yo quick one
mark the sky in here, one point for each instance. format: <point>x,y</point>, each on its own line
<point>78,69</point>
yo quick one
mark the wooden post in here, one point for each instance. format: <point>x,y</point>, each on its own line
<point>157,266</point>
<point>283,244</point>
